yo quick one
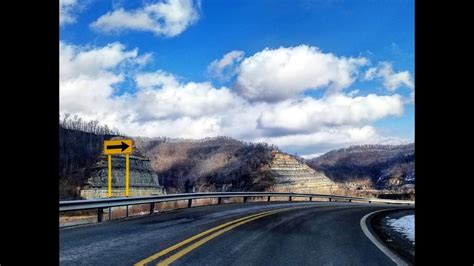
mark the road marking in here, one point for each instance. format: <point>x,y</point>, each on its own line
<point>206,239</point>
<point>389,253</point>
<point>180,244</point>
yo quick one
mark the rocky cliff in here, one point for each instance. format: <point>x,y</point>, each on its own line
<point>290,175</point>
<point>143,180</point>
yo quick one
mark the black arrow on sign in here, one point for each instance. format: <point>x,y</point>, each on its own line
<point>122,146</point>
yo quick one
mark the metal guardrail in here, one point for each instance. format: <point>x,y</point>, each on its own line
<point>100,204</point>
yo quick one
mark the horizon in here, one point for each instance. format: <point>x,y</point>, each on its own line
<point>307,77</point>
<point>194,140</point>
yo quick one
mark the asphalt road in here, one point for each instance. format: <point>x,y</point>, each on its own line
<point>298,233</point>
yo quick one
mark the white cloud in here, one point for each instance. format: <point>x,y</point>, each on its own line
<point>156,79</point>
<point>352,93</point>
<point>312,155</point>
<point>309,115</point>
<point>371,73</point>
<point>162,104</point>
<point>87,76</point>
<point>391,80</point>
<point>144,59</point>
<point>327,139</point>
<point>89,61</point>
<point>278,74</point>
<point>224,68</point>
<point>168,18</point>
<point>66,8</point>
<point>161,96</point>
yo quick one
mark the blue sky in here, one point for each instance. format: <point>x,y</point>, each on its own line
<point>189,35</point>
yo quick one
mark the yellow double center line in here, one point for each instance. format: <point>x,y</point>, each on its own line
<point>220,230</point>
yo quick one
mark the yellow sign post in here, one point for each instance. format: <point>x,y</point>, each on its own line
<point>111,147</point>
<point>109,179</point>
<point>127,174</point>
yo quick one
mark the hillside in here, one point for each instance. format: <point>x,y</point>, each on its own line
<point>226,164</point>
<point>80,146</point>
<point>389,167</point>
<point>211,164</point>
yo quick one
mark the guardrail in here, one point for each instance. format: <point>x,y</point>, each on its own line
<point>100,204</point>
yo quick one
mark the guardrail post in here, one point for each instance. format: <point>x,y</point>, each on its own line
<point>246,199</point>
<point>100,215</point>
<point>152,208</point>
<point>310,198</point>
<point>290,198</point>
<point>219,201</point>
<point>268,199</point>
<point>190,203</point>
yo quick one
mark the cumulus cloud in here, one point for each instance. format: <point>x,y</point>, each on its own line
<point>391,80</point>
<point>309,115</point>
<point>161,96</point>
<point>277,74</point>
<point>327,139</point>
<point>87,76</point>
<point>162,104</point>
<point>169,18</point>
<point>68,10</point>
<point>224,68</point>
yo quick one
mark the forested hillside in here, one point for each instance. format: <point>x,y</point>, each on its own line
<point>386,166</point>
<point>226,164</point>
<point>80,146</point>
<point>207,164</point>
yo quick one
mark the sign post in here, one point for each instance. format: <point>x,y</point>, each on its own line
<point>127,174</point>
<point>109,179</point>
<point>112,147</point>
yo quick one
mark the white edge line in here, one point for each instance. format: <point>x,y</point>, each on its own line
<point>394,257</point>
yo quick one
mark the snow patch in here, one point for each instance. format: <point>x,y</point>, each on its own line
<point>404,225</point>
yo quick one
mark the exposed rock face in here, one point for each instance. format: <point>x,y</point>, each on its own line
<point>143,180</point>
<point>291,175</point>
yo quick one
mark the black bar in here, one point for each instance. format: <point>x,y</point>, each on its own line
<point>190,203</point>
<point>329,199</point>
<point>310,198</point>
<point>268,198</point>
<point>110,213</point>
<point>290,198</point>
<point>112,147</point>
<point>127,212</point>
<point>350,200</point>
<point>219,201</point>
<point>370,201</point>
<point>100,215</point>
<point>245,199</point>
<point>152,208</point>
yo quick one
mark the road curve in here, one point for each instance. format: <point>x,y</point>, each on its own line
<point>276,233</point>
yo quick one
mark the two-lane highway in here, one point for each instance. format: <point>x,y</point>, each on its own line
<point>276,233</point>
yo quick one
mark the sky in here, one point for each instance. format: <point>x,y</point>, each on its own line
<point>306,76</point>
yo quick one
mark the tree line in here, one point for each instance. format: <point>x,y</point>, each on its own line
<point>80,147</point>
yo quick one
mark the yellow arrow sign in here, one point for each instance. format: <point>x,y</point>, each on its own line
<point>123,146</point>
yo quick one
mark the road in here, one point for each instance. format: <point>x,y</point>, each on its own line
<point>260,233</point>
